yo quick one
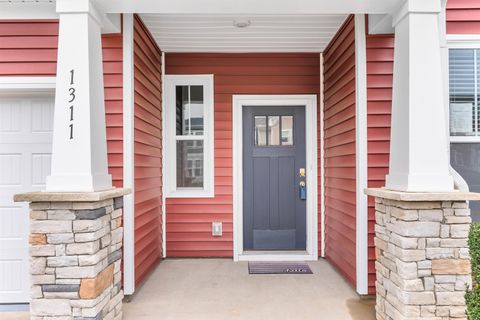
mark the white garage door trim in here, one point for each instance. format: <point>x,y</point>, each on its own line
<point>27,85</point>
<point>27,88</point>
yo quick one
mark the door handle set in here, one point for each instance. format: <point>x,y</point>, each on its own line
<point>302,188</point>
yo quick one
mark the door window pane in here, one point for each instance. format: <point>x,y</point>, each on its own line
<point>189,163</point>
<point>464,91</point>
<point>260,131</point>
<point>287,130</point>
<point>273,130</point>
<point>189,110</point>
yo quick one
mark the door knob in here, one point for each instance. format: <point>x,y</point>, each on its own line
<point>302,190</point>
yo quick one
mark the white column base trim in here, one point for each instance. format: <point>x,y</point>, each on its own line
<point>419,182</point>
<point>79,183</point>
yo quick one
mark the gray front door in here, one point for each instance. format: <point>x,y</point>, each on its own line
<point>274,205</point>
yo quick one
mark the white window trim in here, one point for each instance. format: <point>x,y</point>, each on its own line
<point>463,41</point>
<point>458,41</point>
<point>171,81</point>
<point>310,103</point>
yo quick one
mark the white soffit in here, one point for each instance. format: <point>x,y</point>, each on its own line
<point>265,33</point>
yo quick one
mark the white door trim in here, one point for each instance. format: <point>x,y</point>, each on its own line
<point>310,103</point>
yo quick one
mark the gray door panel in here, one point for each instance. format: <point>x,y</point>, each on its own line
<point>274,216</point>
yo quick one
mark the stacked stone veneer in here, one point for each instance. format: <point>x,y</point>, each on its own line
<point>75,257</point>
<point>423,264</point>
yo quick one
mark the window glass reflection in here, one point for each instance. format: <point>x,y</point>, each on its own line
<point>260,130</point>
<point>190,163</point>
<point>287,130</point>
<point>273,130</point>
<point>190,110</point>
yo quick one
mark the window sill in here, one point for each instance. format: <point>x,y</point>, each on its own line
<point>464,139</point>
<point>193,193</point>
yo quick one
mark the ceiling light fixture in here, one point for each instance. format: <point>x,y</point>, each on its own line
<point>242,23</point>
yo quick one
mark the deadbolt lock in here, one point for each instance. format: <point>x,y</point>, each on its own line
<point>301,172</point>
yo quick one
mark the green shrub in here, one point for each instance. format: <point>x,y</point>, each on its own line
<point>473,294</point>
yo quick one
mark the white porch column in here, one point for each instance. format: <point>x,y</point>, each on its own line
<point>79,157</point>
<point>418,151</point>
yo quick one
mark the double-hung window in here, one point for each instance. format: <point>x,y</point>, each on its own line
<point>464,115</point>
<point>189,135</point>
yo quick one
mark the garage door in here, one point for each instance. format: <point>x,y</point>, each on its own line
<point>25,153</point>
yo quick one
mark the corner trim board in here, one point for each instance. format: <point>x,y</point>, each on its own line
<point>361,155</point>
<point>164,163</point>
<point>322,161</point>
<point>128,155</point>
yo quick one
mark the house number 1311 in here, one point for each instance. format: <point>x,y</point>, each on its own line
<point>71,99</point>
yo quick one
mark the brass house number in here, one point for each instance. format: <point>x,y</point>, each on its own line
<point>71,94</point>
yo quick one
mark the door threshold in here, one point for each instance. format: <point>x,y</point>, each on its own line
<point>276,256</point>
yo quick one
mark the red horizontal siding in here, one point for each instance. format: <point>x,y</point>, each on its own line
<point>29,48</point>
<point>189,220</point>
<point>147,152</point>
<point>463,17</point>
<point>379,105</point>
<point>340,167</point>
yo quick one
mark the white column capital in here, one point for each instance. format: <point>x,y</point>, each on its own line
<point>417,7</point>
<point>89,7</point>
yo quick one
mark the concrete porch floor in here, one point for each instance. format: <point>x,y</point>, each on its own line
<point>222,289</point>
<point>197,289</point>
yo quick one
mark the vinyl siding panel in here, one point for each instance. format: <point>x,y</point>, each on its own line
<point>189,219</point>
<point>339,149</point>
<point>29,48</point>
<point>379,106</point>
<point>147,152</point>
<point>463,17</point>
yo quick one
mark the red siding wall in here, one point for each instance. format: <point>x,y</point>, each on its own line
<point>463,17</point>
<point>189,220</point>
<point>29,48</point>
<point>340,171</point>
<point>379,106</point>
<point>147,151</point>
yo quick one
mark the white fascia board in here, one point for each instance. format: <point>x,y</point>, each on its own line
<point>111,23</point>
<point>250,6</point>
<point>27,10</point>
<point>361,155</point>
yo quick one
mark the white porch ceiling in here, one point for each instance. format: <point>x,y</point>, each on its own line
<point>266,33</point>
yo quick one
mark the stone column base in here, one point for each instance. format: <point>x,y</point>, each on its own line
<point>75,254</point>
<point>422,259</point>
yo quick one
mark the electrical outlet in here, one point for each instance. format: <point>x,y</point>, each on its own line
<point>216,229</point>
